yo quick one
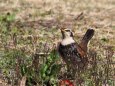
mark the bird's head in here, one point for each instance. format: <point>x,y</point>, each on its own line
<point>66,33</point>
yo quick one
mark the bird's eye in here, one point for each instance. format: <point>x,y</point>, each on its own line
<point>67,30</point>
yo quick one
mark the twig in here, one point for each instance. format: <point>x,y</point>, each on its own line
<point>42,54</point>
<point>23,81</point>
<point>80,16</point>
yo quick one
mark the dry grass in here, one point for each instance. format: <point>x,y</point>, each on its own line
<point>44,17</point>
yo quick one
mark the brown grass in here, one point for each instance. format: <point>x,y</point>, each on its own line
<point>44,17</point>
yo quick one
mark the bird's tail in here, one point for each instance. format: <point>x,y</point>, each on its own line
<point>88,35</point>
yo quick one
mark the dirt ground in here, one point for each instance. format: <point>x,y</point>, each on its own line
<point>79,15</point>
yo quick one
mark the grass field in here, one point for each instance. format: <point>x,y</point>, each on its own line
<point>29,31</point>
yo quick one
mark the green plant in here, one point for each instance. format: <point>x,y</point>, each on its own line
<point>50,69</point>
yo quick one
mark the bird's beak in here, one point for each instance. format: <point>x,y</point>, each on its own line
<point>62,31</point>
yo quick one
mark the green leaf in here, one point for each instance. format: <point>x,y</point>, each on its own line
<point>11,17</point>
<point>23,70</point>
<point>14,30</point>
<point>43,70</point>
<point>105,39</point>
<point>54,55</point>
<point>55,68</point>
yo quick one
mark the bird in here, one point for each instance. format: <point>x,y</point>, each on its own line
<point>72,53</point>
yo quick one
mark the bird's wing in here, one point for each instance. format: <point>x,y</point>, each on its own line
<point>81,51</point>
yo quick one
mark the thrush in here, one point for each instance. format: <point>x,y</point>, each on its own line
<point>72,53</point>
